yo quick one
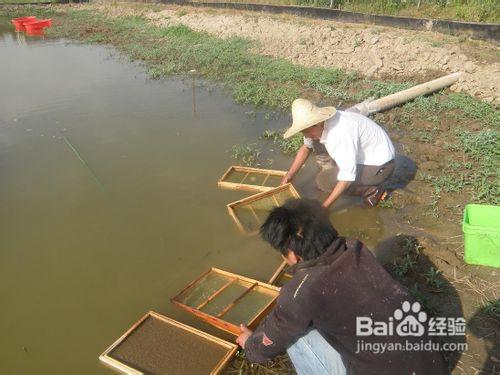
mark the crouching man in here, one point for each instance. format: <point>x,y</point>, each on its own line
<point>335,280</point>
<point>355,155</point>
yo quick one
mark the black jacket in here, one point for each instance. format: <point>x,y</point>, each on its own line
<point>328,293</point>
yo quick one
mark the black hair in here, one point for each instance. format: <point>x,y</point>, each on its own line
<point>301,225</point>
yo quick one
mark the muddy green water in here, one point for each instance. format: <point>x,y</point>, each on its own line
<point>108,199</point>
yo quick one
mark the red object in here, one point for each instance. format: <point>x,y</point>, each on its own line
<point>18,22</point>
<point>33,25</point>
<point>35,32</point>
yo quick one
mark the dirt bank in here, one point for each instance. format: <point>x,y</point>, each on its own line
<point>378,52</point>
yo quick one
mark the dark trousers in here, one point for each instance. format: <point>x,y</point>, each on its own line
<point>368,177</point>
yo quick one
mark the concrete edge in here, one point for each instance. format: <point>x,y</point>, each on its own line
<point>484,31</point>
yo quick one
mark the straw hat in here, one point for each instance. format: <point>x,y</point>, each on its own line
<point>305,114</point>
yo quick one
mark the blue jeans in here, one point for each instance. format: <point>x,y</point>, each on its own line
<point>313,355</point>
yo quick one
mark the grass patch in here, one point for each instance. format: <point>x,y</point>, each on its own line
<point>492,308</point>
<point>402,267</point>
<point>422,298</point>
<point>475,165</point>
<point>247,155</point>
<point>408,269</point>
<point>483,148</point>
<point>464,106</point>
<point>468,10</point>
<point>410,251</point>
<point>378,89</point>
<point>181,13</point>
<point>288,146</point>
<point>387,203</point>
<point>433,277</point>
<point>476,172</point>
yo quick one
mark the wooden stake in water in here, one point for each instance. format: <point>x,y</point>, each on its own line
<point>193,73</point>
<point>79,156</point>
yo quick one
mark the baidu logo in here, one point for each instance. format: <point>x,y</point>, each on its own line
<point>407,321</point>
<point>412,319</point>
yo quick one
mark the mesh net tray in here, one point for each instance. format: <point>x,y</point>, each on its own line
<point>250,179</point>
<point>160,345</point>
<point>251,212</point>
<point>226,300</point>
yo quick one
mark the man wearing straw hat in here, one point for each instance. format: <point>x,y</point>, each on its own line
<point>356,156</point>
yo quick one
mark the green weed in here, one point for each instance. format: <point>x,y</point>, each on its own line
<point>411,249</point>
<point>433,277</point>
<point>424,136</point>
<point>97,38</point>
<point>248,155</point>
<point>402,267</point>
<point>483,148</point>
<point>411,245</point>
<point>492,308</point>
<point>470,10</point>
<point>434,204</point>
<point>437,44</point>
<point>181,12</point>
<point>287,146</point>
<point>465,105</point>
<point>386,203</point>
<point>379,89</point>
<point>423,300</point>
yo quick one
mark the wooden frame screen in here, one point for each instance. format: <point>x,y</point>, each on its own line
<point>226,300</point>
<point>249,213</point>
<point>279,271</point>
<point>251,179</point>
<point>280,277</point>
<point>142,357</point>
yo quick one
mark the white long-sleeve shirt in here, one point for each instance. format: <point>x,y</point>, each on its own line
<point>350,139</point>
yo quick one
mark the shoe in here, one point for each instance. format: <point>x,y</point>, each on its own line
<point>373,196</point>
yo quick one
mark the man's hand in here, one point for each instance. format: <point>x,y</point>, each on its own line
<point>244,335</point>
<point>286,179</point>
<point>298,162</point>
<point>337,191</point>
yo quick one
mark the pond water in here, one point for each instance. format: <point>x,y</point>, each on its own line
<point>109,202</point>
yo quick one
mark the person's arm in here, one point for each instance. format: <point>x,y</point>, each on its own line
<point>289,320</point>
<point>337,191</point>
<point>298,162</point>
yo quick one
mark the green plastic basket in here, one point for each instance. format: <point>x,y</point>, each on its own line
<point>481,228</point>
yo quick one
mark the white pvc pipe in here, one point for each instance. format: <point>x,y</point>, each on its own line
<point>390,101</point>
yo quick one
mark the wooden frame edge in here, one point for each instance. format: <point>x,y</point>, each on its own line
<point>231,206</point>
<point>110,361</point>
<point>265,194</point>
<point>278,272</point>
<point>248,187</point>
<point>195,281</point>
<point>220,323</point>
